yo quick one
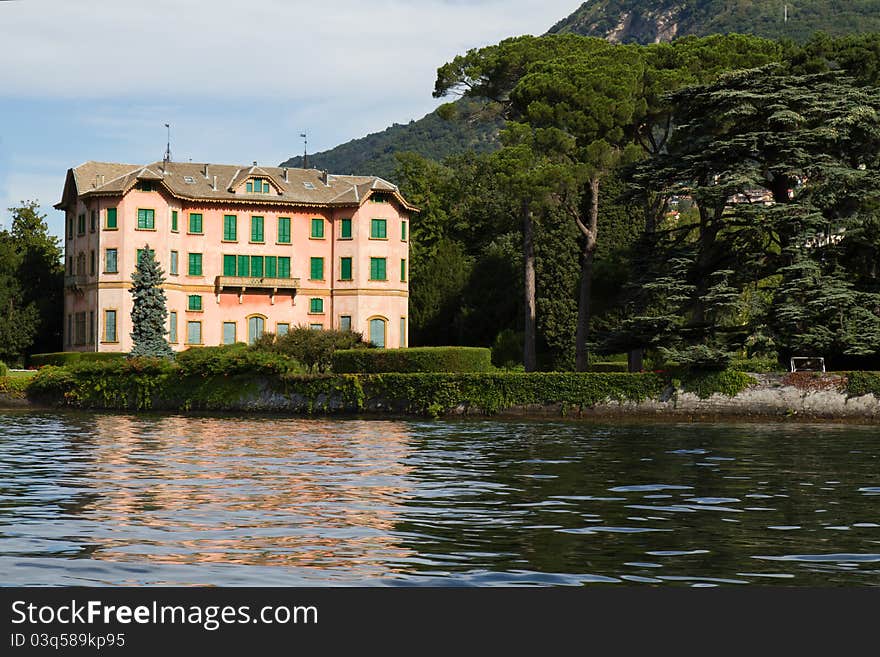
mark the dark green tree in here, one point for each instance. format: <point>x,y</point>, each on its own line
<point>149,312</point>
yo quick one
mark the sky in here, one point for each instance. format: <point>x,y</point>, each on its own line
<point>238,82</point>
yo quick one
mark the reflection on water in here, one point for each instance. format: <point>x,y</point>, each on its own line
<point>114,499</point>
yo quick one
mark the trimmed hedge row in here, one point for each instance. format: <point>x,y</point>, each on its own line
<point>62,358</point>
<point>413,360</point>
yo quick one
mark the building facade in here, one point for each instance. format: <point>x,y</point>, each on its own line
<point>245,251</point>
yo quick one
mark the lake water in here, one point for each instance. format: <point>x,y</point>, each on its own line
<point>103,499</point>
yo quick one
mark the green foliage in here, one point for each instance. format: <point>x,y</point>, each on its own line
<point>4,369</point>
<point>757,365</point>
<point>417,359</point>
<point>314,349</point>
<point>69,357</point>
<point>228,360</point>
<point>14,386</point>
<point>507,349</point>
<point>149,312</point>
<point>863,383</point>
<point>705,384</point>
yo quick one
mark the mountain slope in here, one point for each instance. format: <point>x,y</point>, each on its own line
<point>642,21</point>
<point>648,21</point>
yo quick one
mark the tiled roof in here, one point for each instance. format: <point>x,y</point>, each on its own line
<point>225,182</point>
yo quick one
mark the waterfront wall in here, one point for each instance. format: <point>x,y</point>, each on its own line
<point>730,394</point>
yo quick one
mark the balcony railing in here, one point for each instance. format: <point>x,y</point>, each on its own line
<point>255,283</point>
<point>75,282</point>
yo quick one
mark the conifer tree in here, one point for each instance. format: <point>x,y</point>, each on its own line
<point>149,314</point>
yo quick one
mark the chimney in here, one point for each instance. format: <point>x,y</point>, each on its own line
<point>325,178</point>
<point>285,175</point>
<point>214,186</point>
<point>255,163</point>
<point>206,172</point>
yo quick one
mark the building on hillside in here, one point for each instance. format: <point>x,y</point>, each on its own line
<point>246,250</point>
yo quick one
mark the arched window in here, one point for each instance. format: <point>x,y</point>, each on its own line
<point>256,327</point>
<point>378,331</point>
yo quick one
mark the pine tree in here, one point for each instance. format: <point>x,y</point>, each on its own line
<point>149,314</point>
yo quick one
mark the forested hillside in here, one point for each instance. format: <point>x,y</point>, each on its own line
<point>649,21</point>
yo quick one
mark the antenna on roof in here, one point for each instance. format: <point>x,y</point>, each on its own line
<point>305,149</point>
<point>167,157</point>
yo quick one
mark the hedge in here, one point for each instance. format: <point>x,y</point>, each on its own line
<point>413,360</point>
<point>62,358</point>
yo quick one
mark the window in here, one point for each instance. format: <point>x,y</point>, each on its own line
<point>195,264</point>
<point>92,263</point>
<point>174,220</point>
<point>257,266</point>
<point>377,198</point>
<point>80,325</point>
<point>378,229</point>
<point>257,186</point>
<point>174,263</point>
<point>110,326</point>
<point>345,229</point>
<point>316,305</point>
<point>194,333</point>
<point>316,271</point>
<point>283,267</point>
<point>345,323</point>
<point>377,269</point>
<point>228,332</point>
<point>70,265</point>
<point>257,229</point>
<point>403,270</point>
<point>229,265</point>
<point>230,228</point>
<point>403,230</point>
<point>402,332</point>
<point>81,264</point>
<point>345,269</point>
<point>81,224</point>
<point>145,185</point>
<point>271,267</point>
<point>70,228</point>
<point>172,327</point>
<point>93,221</point>
<point>111,265</point>
<point>284,230</point>
<point>316,327</point>
<point>146,219</point>
<point>282,329</point>
<point>244,265</point>
<point>70,329</point>
<point>194,302</point>
<point>195,223</point>
<point>317,228</point>
<point>91,327</point>
<point>377,332</point>
<point>111,218</point>
<point>256,328</point>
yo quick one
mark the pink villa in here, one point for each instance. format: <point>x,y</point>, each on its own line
<point>246,250</point>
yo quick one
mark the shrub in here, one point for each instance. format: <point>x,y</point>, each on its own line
<point>507,349</point>
<point>863,383</point>
<point>706,383</point>
<point>63,358</point>
<point>4,370</point>
<point>234,359</point>
<point>417,359</point>
<point>756,365</point>
<point>314,349</point>
<point>609,367</point>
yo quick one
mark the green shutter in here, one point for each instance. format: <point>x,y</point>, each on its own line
<point>271,267</point>
<point>378,229</point>
<point>346,229</point>
<point>316,306</point>
<point>146,219</point>
<point>174,220</point>
<point>283,267</point>
<point>284,230</point>
<point>250,186</point>
<point>195,223</point>
<point>195,264</point>
<point>244,265</point>
<point>377,269</point>
<point>345,269</point>
<point>403,230</point>
<point>256,229</point>
<point>402,270</point>
<point>257,266</point>
<point>317,269</point>
<point>111,218</point>
<point>230,227</point>
<point>317,228</point>
<point>229,265</point>
<point>195,302</point>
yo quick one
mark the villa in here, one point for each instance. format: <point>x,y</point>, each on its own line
<point>245,250</point>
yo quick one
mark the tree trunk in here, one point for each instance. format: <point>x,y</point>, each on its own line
<point>529,356</point>
<point>586,287</point>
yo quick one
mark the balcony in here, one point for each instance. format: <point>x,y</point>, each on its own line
<point>242,283</point>
<point>76,282</point>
